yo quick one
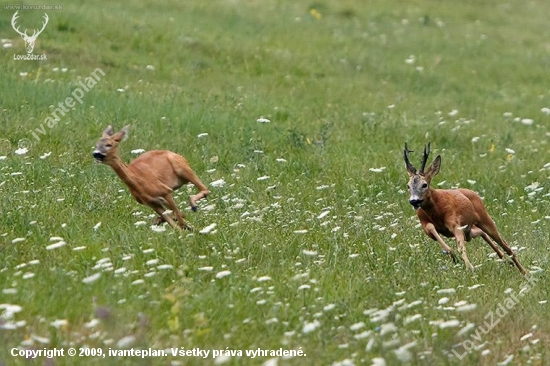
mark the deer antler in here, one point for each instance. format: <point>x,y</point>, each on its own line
<point>35,32</point>
<point>410,167</point>
<point>13,19</point>
<point>425,158</point>
<point>43,26</point>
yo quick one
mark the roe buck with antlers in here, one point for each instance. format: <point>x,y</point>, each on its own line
<point>152,177</point>
<point>29,40</point>
<point>457,213</point>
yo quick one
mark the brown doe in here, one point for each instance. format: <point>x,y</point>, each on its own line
<point>152,177</point>
<point>457,213</point>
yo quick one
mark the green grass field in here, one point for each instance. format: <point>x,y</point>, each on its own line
<point>316,248</point>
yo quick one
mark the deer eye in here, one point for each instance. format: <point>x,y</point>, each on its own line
<point>425,185</point>
<point>108,145</point>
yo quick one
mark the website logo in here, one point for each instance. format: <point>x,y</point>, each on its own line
<point>29,40</point>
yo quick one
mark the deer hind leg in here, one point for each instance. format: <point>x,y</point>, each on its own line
<point>491,230</point>
<point>203,191</point>
<point>186,174</point>
<point>432,232</point>
<point>475,232</point>
<point>172,206</point>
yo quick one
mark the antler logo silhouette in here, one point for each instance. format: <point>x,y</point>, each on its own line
<point>29,40</point>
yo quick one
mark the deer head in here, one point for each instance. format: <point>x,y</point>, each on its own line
<point>29,40</point>
<point>419,181</point>
<point>107,146</point>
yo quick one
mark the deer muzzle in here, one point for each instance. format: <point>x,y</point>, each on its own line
<point>416,203</point>
<point>98,156</point>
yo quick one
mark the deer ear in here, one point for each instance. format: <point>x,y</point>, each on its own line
<point>121,135</point>
<point>125,131</point>
<point>434,168</point>
<point>108,131</point>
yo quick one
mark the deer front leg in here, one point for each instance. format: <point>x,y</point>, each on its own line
<point>432,233</point>
<point>163,216</point>
<point>172,205</point>
<point>159,220</point>
<point>460,242</point>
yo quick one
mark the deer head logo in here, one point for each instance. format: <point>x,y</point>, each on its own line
<point>29,40</point>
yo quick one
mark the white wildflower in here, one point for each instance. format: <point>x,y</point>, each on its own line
<point>58,323</point>
<point>446,291</point>
<point>126,342</point>
<point>527,121</point>
<point>56,245</point>
<point>378,361</point>
<point>158,228</point>
<point>223,274</point>
<point>356,326</point>
<point>92,278</point>
<point>218,183</point>
<point>468,327</point>
<point>506,361</point>
<point>208,229</point>
<point>310,253</point>
<point>412,318</point>
<point>323,214</point>
<point>467,307</point>
<point>377,170</point>
<point>449,324</point>
<point>527,336</point>
<point>310,327</point>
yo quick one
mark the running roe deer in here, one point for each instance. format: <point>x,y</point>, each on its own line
<point>457,213</point>
<point>152,177</point>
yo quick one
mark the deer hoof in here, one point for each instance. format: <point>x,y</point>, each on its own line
<point>194,208</point>
<point>158,220</point>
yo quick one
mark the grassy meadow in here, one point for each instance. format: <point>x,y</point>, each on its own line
<point>295,114</point>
